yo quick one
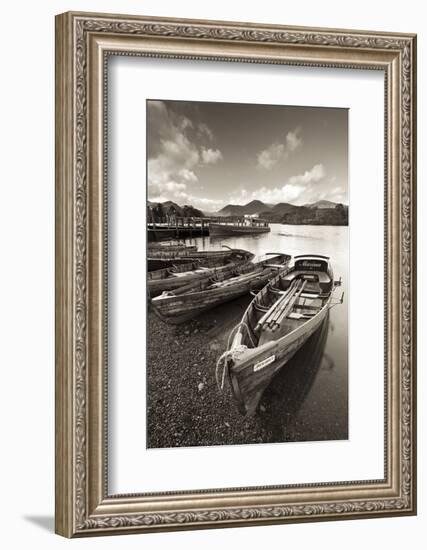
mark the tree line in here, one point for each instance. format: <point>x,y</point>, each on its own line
<point>160,213</point>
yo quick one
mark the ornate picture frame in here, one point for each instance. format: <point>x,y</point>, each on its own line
<point>83,43</point>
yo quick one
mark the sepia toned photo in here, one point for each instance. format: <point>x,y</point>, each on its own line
<point>247,273</point>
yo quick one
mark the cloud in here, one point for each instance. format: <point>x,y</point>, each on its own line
<point>286,193</point>
<point>293,141</point>
<point>174,156</point>
<point>206,204</point>
<point>211,156</point>
<point>298,189</point>
<point>188,175</point>
<point>314,175</point>
<point>279,151</point>
<point>205,131</point>
<point>271,156</point>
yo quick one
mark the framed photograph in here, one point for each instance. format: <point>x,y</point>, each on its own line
<point>235,274</point>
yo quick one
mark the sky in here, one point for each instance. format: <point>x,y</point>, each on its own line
<point>213,154</point>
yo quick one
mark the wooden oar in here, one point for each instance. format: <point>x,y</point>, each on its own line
<point>288,308</point>
<point>265,318</point>
<point>292,289</point>
<point>236,280</point>
<point>284,305</point>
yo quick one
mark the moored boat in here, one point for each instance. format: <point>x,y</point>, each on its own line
<point>251,226</point>
<point>188,301</point>
<point>159,259</point>
<point>170,246</point>
<point>200,268</point>
<point>276,324</point>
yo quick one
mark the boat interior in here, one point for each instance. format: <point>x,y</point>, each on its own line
<point>198,265</point>
<point>241,274</point>
<point>285,303</point>
<point>174,271</point>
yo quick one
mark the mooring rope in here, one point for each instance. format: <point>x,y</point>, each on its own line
<point>223,359</point>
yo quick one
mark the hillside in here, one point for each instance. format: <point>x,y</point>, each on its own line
<point>303,215</point>
<point>321,204</point>
<point>282,209</point>
<point>253,207</point>
<point>318,213</point>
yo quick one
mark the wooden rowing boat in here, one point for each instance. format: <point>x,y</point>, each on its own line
<point>170,246</point>
<point>201,268</point>
<point>276,324</point>
<point>164,259</point>
<point>188,301</point>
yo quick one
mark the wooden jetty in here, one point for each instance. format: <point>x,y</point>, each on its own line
<point>178,228</point>
<point>191,227</point>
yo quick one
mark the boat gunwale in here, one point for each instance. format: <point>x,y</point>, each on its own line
<point>286,259</point>
<point>268,346</point>
<point>272,343</point>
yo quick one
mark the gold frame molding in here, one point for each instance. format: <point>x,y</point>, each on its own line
<point>83,43</point>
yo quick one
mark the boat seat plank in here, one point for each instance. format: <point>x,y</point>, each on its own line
<point>277,291</point>
<point>294,315</point>
<point>306,306</point>
<point>322,275</point>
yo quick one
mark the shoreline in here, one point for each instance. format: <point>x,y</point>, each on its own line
<point>186,409</point>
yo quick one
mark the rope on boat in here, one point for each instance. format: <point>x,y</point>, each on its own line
<point>224,358</point>
<point>228,353</point>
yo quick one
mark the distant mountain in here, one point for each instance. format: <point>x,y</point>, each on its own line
<point>253,207</point>
<point>282,208</point>
<point>318,213</point>
<point>322,204</point>
<point>305,215</point>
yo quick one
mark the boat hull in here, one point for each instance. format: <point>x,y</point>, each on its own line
<point>153,264</point>
<point>179,309</point>
<point>156,287</point>
<point>162,261</point>
<point>249,378</point>
<point>224,229</point>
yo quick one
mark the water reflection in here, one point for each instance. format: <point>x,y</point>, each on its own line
<point>285,396</point>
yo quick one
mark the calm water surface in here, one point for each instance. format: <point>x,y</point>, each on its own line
<point>308,399</point>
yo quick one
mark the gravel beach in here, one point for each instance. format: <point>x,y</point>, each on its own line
<point>185,407</point>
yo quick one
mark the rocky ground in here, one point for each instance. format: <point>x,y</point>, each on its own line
<point>185,407</point>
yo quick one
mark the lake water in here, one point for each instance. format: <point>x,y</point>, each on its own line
<point>308,400</point>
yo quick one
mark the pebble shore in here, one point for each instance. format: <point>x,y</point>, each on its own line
<point>184,406</point>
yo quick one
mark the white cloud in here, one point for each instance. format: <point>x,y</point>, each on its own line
<point>278,151</point>
<point>205,131</point>
<point>206,204</point>
<point>174,156</point>
<point>211,156</point>
<point>314,175</point>
<point>188,175</point>
<point>293,141</point>
<point>294,190</point>
<point>286,193</point>
<point>271,156</point>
